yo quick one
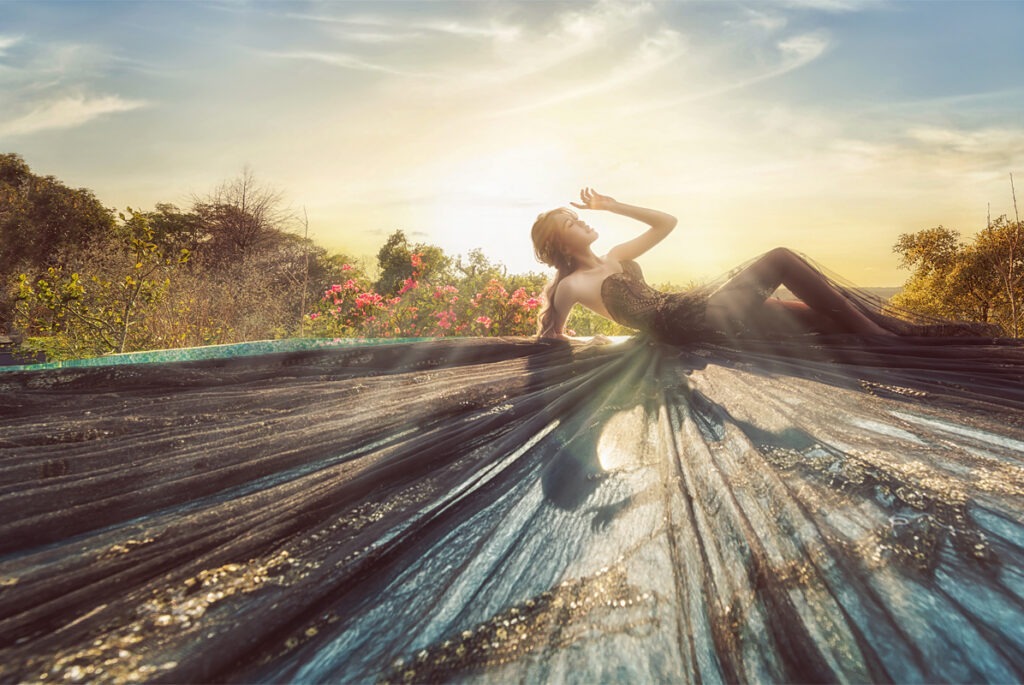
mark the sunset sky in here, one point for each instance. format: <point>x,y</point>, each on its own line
<point>829,126</point>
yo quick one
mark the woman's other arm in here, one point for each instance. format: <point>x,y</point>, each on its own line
<point>661,224</point>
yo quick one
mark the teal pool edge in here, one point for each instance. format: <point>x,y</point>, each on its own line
<point>245,349</point>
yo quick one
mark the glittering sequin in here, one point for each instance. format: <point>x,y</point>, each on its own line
<point>671,317</point>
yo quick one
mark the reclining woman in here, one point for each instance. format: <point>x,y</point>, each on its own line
<point>613,287</point>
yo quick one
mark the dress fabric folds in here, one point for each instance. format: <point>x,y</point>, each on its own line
<point>506,510</point>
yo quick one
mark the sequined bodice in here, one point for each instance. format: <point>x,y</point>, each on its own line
<point>673,317</point>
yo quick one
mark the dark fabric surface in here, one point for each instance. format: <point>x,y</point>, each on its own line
<point>507,510</point>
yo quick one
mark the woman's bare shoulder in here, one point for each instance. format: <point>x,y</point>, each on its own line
<point>567,292</point>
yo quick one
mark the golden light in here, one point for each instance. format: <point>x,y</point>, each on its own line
<point>489,200</point>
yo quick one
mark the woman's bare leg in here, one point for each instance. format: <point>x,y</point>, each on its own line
<point>789,317</point>
<point>744,294</point>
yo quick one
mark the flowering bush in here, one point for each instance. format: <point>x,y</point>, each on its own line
<point>422,309</point>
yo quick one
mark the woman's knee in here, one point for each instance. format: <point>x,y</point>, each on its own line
<point>781,254</point>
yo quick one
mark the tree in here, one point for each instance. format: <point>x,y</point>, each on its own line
<point>394,263</point>
<point>41,218</point>
<point>981,281</point>
<point>95,301</point>
<point>175,230</point>
<point>477,270</point>
<point>241,217</point>
<point>1001,249</point>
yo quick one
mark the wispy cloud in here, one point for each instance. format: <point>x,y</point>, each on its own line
<point>994,147</point>
<point>67,112</point>
<point>652,54</point>
<point>493,30</point>
<point>801,50</point>
<point>387,27</point>
<point>8,41</point>
<point>760,20</point>
<point>833,5</point>
<point>793,53</point>
<point>342,60</point>
<point>378,37</point>
<point>619,41</point>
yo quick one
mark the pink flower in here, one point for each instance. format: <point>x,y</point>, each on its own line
<point>485,320</point>
<point>409,284</point>
<point>351,284</point>
<point>445,318</point>
<point>367,299</point>
<point>531,303</point>
<point>494,287</point>
<point>314,316</point>
<point>346,267</point>
<point>417,260</point>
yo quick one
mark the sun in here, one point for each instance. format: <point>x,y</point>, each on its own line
<point>489,199</point>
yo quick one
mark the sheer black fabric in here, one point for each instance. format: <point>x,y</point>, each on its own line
<point>679,317</point>
<point>507,510</point>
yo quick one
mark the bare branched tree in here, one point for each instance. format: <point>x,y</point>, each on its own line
<point>242,216</point>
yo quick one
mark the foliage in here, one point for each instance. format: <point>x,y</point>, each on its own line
<point>240,218</point>
<point>41,218</point>
<point>582,321</point>
<point>421,308</point>
<point>394,263</point>
<point>982,280</point>
<point>101,307</point>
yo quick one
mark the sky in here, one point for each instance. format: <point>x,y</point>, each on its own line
<point>827,126</point>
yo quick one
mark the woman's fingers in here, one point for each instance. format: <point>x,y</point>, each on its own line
<point>590,199</point>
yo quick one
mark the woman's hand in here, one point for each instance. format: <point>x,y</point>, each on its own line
<point>593,200</point>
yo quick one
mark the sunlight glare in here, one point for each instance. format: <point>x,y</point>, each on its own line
<point>490,200</point>
<point>617,446</point>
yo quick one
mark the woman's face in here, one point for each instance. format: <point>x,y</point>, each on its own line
<point>574,233</point>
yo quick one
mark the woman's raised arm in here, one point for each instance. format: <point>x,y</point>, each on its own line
<point>661,224</point>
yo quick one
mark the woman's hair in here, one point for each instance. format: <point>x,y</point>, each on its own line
<point>547,246</point>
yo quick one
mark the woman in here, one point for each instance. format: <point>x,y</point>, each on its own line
<point>613,287</point>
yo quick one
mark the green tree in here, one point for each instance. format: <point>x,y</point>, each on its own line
<point>395,267</point>
<point>41,218</point>
<point>100,306</point>
<point>1001,246</point>
<point>981,280</point>
<point>175,230</point>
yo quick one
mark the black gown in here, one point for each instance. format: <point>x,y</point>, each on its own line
<point>670,317</point>
<point>679,317</point>
<point>496,510</point>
